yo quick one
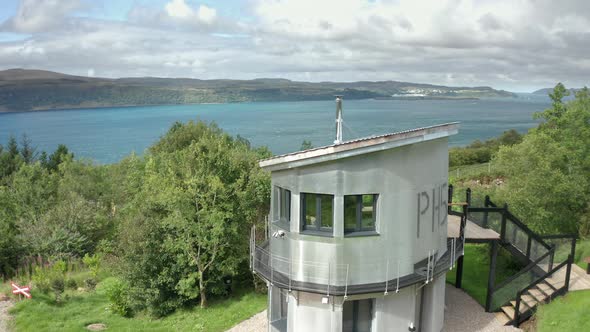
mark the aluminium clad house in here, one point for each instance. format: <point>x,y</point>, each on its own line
<point>357,235</point>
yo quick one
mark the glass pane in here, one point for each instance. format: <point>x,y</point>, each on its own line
<point>288,205</point>
<point>327,210</point>
<point>350,213</point>
<point>285,204</point>
<point>364,316</point>
<point>368,213</point>
<point>310,210</point>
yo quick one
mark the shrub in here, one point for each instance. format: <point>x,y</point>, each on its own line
<point>71,284</point>
<point>58,287</point>
<point>41,279</point>
<point>118,294</point>
<point>93,263</point>
<point>90,283</point>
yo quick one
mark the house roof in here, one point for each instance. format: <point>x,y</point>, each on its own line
<point>358,147</point>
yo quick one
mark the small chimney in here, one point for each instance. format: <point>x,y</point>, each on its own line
<point>338,120</point>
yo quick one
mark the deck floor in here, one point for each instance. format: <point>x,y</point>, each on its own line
<point>472,231</point>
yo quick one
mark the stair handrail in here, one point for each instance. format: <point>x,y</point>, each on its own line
<point>568,262</point>
<point>514,220</point>
<point>527,268</point>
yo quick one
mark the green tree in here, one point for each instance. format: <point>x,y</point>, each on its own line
<point>202,191</point>
<point>549,172</point>
<point>306,145</point>
<point>27,151</point>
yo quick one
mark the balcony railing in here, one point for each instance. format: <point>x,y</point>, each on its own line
<point>335,279</point>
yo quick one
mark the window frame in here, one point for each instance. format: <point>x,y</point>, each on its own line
<point>359,230</point>
<point>284,198</point>
<point>317,229</point>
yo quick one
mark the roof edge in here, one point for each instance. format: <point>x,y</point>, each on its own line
<point>359,146</point>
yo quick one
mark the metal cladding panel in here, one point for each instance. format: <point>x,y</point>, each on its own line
<point>434,304</point>
<point>411,183</point>
<point>395,312</point>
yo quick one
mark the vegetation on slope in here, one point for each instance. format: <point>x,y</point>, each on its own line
<point>24,90</point>
<point>567,313</point>
<point>175,223</point>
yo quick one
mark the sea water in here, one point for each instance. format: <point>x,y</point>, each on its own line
<point>108,134</point>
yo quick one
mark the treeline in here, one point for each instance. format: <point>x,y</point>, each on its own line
<point>479,152</point>
<point>548,173</point>
<point>171,225</point>
<point>55,95</point>
<point>543,175</point>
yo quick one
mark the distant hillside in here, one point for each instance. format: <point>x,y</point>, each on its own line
<point>546,91</point>
<point>30,90</point>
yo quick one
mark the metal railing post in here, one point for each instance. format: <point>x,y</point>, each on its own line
<point>386,278</point>
<point>346,286</point>
<point>397,283</point>
<point>329,277</point>
<point>468,196</point>
<point>491,275</point>
<point>486,203</point>
<point>516,321</point>
<point>503,227</point>
<point>450,199</point>
<point>528,247</point>
<point>551,257</point>
<point>570,260</point>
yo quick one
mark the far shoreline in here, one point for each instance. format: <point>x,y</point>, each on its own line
<point>410,98</point>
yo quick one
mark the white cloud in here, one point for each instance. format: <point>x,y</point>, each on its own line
<point>90,72</point>
<point>41,15</point>
<point>206,14</point>
<point>504,43</point>
<point>178,8</point>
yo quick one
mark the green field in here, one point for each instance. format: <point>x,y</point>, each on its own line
<point>82,308</point>
<point>567,313</point>
<point>476,266</point>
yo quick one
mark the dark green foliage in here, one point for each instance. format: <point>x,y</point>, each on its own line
<point>60,155</point>
<point>58,287</point>
<point>481,152</point>
<point>549,172</point>
<point>71,283</point>
<point>306,145</point>
<point>117,293</point>
<point>189,223</point>
<point>90,283</point>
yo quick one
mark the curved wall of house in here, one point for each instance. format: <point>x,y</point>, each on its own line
<point>411,215</point>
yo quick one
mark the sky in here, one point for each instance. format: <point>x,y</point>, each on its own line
<point>517,45</point>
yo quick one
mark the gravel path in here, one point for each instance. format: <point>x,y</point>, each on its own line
<point>256,323</point>
<point>462,314</point>
<point>5,305</point>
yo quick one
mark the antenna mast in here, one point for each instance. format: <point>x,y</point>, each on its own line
<point>338,120</point>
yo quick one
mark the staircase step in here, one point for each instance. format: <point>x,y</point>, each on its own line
<point>502,318</point>
<point>523,306</point>
<point>509,311</point>
<point>548,290</point>
<point>537,294</point>
<point>529,300</point>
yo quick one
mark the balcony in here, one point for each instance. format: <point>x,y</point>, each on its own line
<point>334,279</point>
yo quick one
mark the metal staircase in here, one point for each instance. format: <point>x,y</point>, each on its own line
<point>547,262</point>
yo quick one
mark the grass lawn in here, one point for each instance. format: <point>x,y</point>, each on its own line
<point>83,308</point>
<point>582,251</point>
<point>476,266</point>
<point>567,313</point>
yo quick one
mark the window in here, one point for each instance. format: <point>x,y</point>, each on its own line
<point>284,204</point>
<point>360,213</point>
<point>317,212</point>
